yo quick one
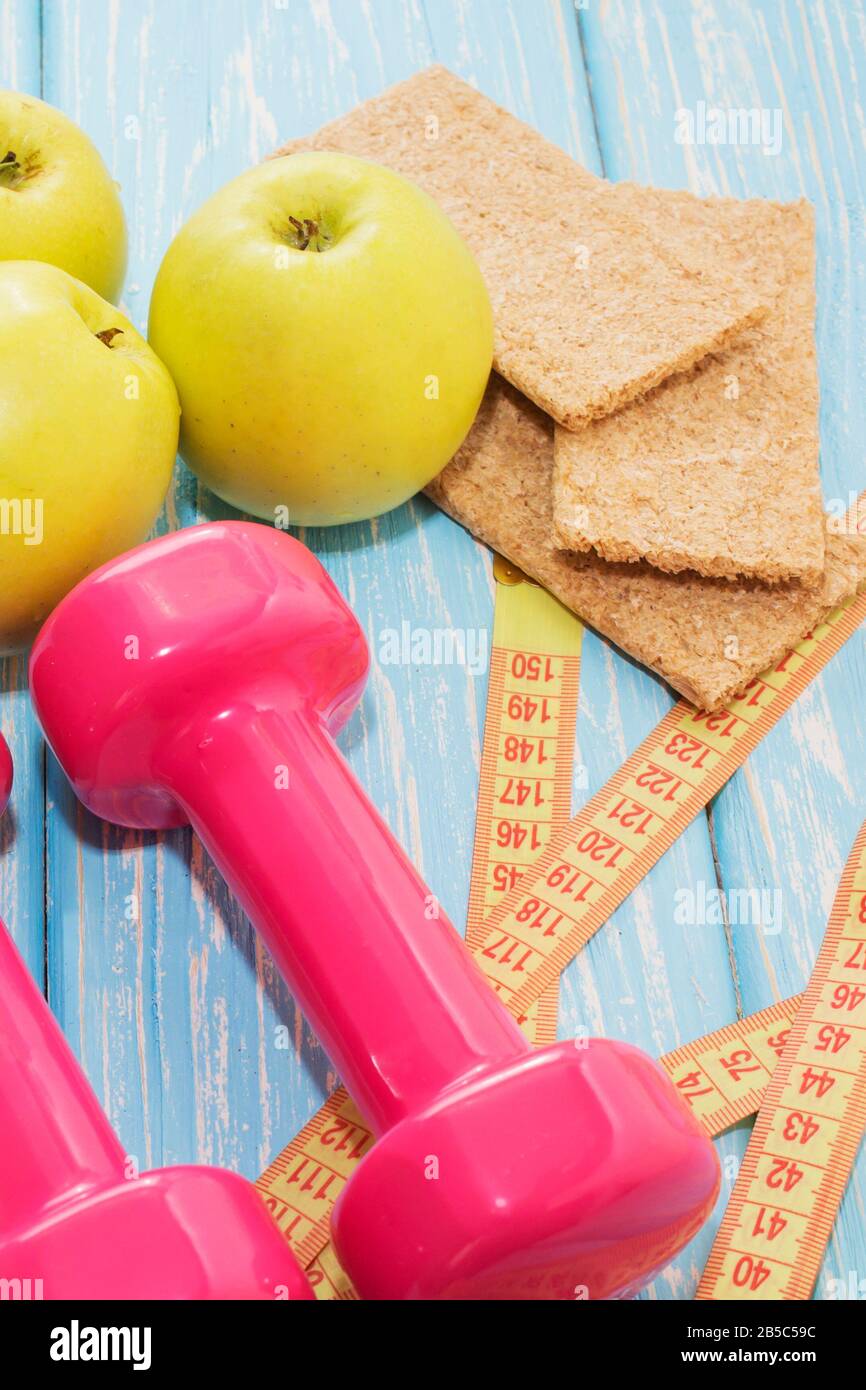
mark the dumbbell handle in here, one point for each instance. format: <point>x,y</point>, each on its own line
<point>384,980</point>
<point>55,1141</point>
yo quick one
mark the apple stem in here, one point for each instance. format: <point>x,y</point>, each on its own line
<point>9,165</point>
<point>307,234</point>
<point>107,334</point>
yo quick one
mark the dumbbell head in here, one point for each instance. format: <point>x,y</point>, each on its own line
<point>174,1233</point>
<point>572,1172</point>
<point>75,1215</point>
<point>147,642</point>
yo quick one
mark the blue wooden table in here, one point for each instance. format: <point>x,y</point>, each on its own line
<point>169,1000</point>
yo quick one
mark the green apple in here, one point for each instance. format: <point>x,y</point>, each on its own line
<point>58,202</point>
<point>330,337</point>
<point>88,432</point>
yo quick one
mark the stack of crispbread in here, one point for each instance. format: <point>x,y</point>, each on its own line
<point>648,445</point>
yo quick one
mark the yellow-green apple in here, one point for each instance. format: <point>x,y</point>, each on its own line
<point>330,337</point>
<point>88,434</point>
<point>58,202</point>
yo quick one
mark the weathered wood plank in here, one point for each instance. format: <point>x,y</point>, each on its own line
<point>20,47</point>
<point>785,824</point>
<point>21,831</point>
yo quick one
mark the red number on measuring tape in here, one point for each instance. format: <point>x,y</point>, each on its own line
<point>784,1173</point>
<point>600,848</point>
<point>631,815</point>
<point>772,1228</point>
<point>832,1038</point>
<point>512,835</point>
<point>532,668</point>
<point>570,882</point>
<point>750,1273</point>
<point>688,1084</point>
<point>687,750</point>
<point>800,1128</point>
<point>857,958</point>
<point>735,1064</point>
<point>531,909</point>
<point>505,876</point>
<point>492,952</point>
<point>821,1082</point>
<point>847,997</point>
<point>525,708</point>
<point>517,792</point>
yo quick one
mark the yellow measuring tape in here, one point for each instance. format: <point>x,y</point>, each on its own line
<point>778,1220</point>
<point>527,758</point>
<point>592,865</point>
<point>724,1075</point>
<point>539,893</point>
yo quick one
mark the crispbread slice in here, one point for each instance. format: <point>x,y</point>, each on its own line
<point>715,470</point>
<point>707,637</point>
<point>591,307</point>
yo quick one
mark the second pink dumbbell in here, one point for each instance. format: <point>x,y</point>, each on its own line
<point>201,679</point>
<point>74,1222</point>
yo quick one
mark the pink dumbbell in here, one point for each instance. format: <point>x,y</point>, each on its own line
<point>73,1224</point>
<point>201,678</point>
<point>5,774</point>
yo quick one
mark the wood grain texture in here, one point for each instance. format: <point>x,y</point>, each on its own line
<point>786,822</point>
<point>157,979</point>
<point>22,860</point>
